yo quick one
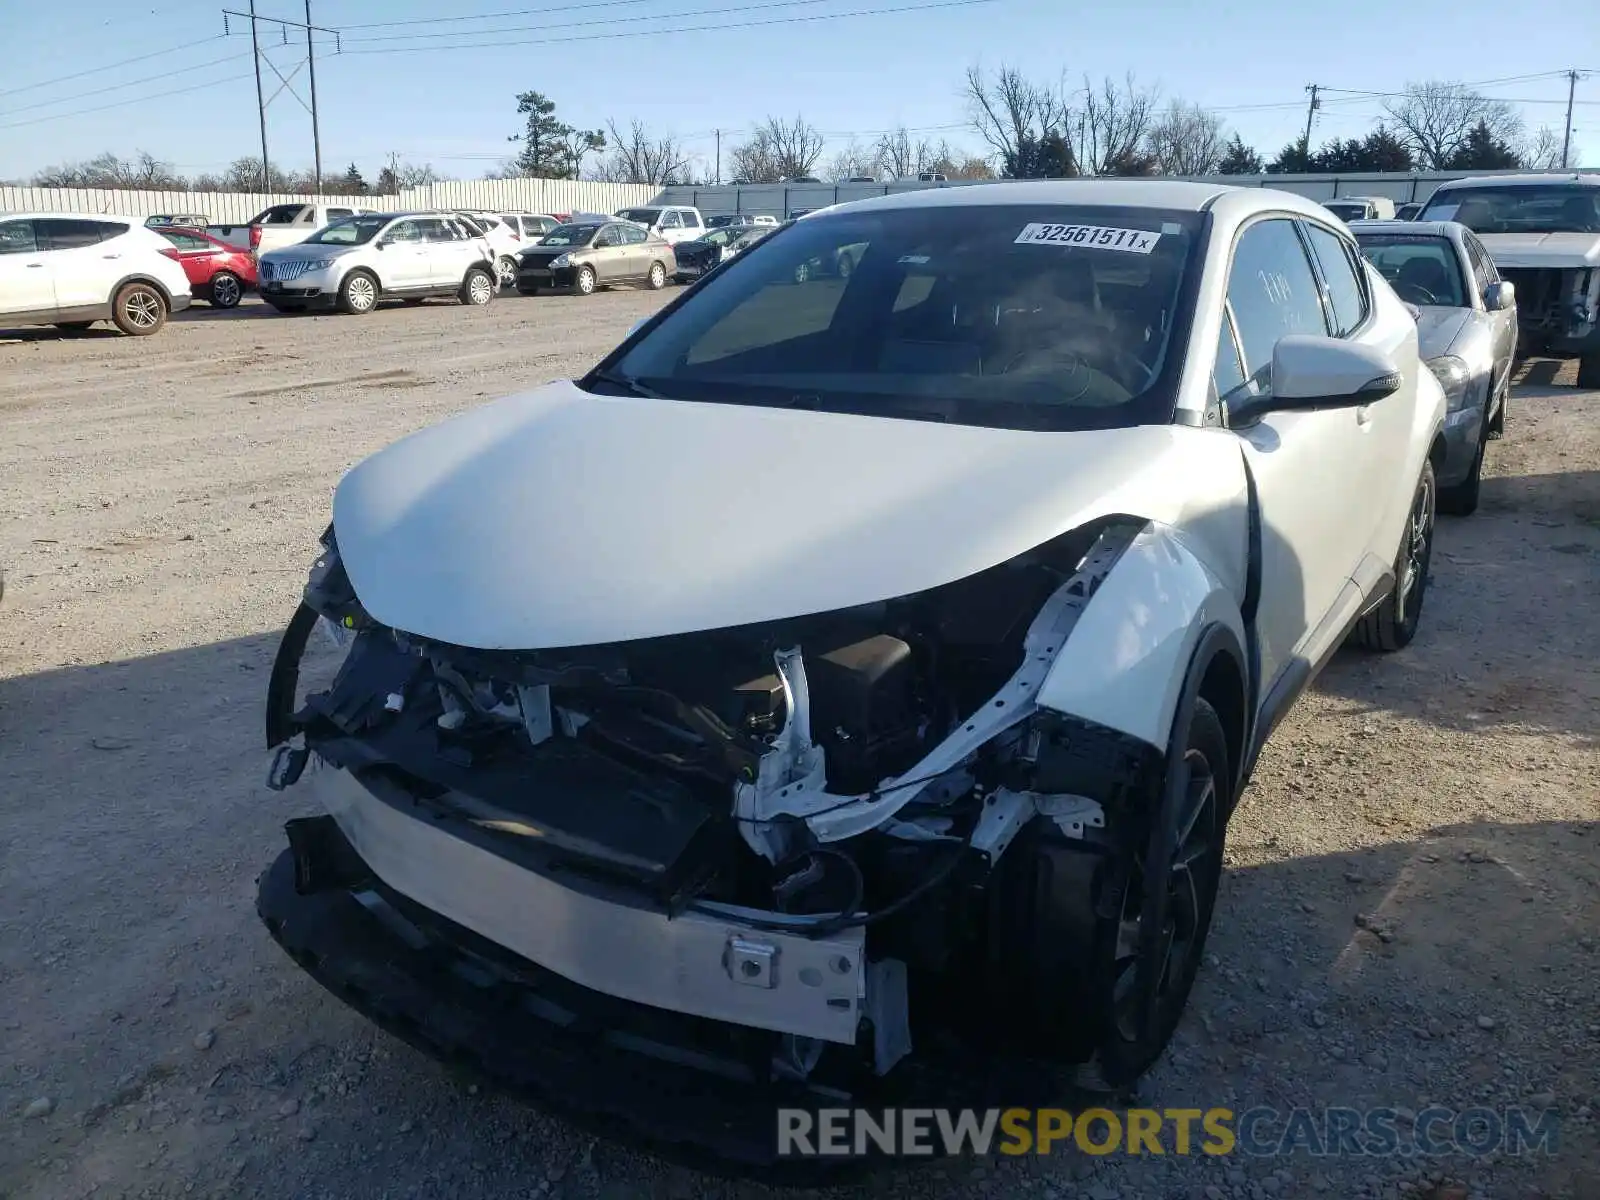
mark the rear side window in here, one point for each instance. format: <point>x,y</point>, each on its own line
<point>1272,290</point>
<point>111,229</point>
<point>64,233</point>
<point>17,237</point>
<point>281,214</point>
<point>185,241</point>
<point>691,219</point>
<point>1345,293</point>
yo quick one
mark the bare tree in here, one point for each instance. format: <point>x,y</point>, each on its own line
<point>1108,135</point>
<point>141,172</point>
<point>1436,120</point>
<point>1543,151</point>
<point>639,156</point>
<point>1012,113</point>
<point>855,159</point>
<point>900,157</point>
<point>1186,140</point>
<point>776,150</point>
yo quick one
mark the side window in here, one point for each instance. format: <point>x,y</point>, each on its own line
<point>404,231</point>
<point>59,233</point>
<point>1490,271</point>
<point>691,220</point>
<point>1345,293</point>
<point>1272,291</point>
<point>16,237</point>
<point>634,236</point>
<point>185,241</point>
<point>111,229</point>
<point>670,220</point>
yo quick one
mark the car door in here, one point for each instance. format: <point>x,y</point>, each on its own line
<point>669,226</point>
<point>198,257</point>
<point>401,262</point>
<point>611,251</point>
<point>1484,275</point>
<point>441,252</point>
<point>1307,465</point>
<point>641,248</point>
<point>27,280</point>
<point>88,258</point>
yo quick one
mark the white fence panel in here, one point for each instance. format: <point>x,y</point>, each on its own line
<point>235,208</point>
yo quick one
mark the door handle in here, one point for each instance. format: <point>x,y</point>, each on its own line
<point>111,256</point>
<point>34,266</point>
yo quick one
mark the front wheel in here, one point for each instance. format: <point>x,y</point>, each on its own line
<point>583,283</point>
<point>139,309</point>
<point>478,288</point>
<point>1393,624</point>
<point>227,289</point>
<point>658,277</point>
<point>358,294</point>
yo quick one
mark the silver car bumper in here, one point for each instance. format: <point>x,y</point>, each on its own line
<point>724,969</point>
<point>1463,431</point>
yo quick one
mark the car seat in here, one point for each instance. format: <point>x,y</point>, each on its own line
<point>1425,280</point>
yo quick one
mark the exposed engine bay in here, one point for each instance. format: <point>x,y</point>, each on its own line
<point>1557,308</point>
<point>805,776</point>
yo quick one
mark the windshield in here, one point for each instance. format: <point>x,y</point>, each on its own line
<point>1538,208</point>
<point>1024,317</point>
<point>570,235</point>
<point>644,216</point>
<point>352,231</point>
<point>1347,212</point>
<point>1422,269</point>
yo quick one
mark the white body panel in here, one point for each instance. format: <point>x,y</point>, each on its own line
<point>561,518</point>
<point>27,282</point>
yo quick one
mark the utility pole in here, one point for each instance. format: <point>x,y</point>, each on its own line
<point>285,82</point>
<point>1566,142</point>
<point>261,105</point>
<point>316,131</point>
<point>718,132</point>
<point>1311,113</point>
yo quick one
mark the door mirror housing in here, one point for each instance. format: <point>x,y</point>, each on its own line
<point>1310,371</point>
<point>1498,297</point>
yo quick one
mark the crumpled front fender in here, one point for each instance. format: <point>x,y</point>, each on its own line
<point>1125,662</point>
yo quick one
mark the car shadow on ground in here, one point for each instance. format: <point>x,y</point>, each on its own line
<point>137,819</point>
<point>49,333</point>
<point>1541,373</point>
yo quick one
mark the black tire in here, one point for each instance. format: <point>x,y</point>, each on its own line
<point>657,279</point>
<point>358,294</point>
<point>139,309</point>
<point>1589,371</point>
<point>478,288</point>
<point>227,289</point>
<point>1461,499</point>
<point>584,282</point>
<point>73,326</point>
<point>1393,624</point>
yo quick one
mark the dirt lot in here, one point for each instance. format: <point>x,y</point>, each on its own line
<point>1410,917</point>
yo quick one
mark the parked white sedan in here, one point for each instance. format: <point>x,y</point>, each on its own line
<point>846,665</point>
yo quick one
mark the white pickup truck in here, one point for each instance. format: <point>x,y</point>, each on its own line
<point>283,225</point>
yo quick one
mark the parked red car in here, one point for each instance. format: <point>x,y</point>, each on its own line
<point>218,273</point>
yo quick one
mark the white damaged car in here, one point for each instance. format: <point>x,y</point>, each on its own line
<point>848,674</point>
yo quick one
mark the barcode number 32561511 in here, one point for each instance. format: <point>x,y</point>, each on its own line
<point>1097,237</point>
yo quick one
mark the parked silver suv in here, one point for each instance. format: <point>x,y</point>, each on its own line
<point>354,263</point>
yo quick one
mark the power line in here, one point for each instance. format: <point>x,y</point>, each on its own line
<point>114,87</point>
<point>543,25</point>
<point>28,87</point>
<point>123,103</point>
<point>654,32</point>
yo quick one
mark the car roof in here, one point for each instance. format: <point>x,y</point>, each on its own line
<point>1589,179</point>
<point>1425,228</point>
<point>1110,193</point>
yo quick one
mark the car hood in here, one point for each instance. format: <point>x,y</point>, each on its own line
<point>302,252</point>
<point>1438,327</point>
<point>1543,249</point>
<point>562,518</point>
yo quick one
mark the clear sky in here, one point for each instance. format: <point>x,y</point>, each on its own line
<point>437,81</point>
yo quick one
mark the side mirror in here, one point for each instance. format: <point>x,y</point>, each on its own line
<point>1311,371</point>
<point>380,243</point>
<point>1498,297</point>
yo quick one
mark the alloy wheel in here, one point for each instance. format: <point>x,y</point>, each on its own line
<point>480,290</point>
<point>225,291</point>
<point>142,308</point>
<point>507,271</point>
<point>361,293</point>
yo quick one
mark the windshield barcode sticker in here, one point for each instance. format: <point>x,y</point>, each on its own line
<point>1096,237</point>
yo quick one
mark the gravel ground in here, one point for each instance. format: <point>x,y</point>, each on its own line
<point>1409,917</point>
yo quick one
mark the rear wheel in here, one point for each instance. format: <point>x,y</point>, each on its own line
<point>506,268</point>
<point>478,288</point>
<point>139,309</point>
<point>1393,624</point>
<point>358,294</point>
<point>227,289</point>
<point>658,277</point>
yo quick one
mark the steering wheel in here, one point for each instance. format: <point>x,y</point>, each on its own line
<point>1106,358</point>
<point>1420,295</point>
